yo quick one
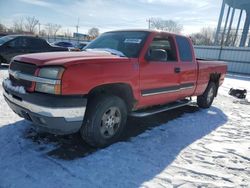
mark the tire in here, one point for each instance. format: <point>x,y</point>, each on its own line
<point>206,99</point>
<point>105,121</point>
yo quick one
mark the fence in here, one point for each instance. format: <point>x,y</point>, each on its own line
<point>237,58</point>
<point>52,39</point>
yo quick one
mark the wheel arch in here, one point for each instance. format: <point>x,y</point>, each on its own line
<point>215,77</point>
<point>2,60</point>
<point>122,90</point>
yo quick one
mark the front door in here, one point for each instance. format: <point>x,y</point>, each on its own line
<point>160,78</point>
<point>14,47</point>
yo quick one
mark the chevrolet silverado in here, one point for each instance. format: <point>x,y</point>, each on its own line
<point>121,73</point>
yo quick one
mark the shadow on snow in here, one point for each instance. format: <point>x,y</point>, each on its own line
<point>145,150</point>
<point>72,146</point>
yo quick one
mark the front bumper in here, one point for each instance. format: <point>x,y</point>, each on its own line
<point>51,113</point>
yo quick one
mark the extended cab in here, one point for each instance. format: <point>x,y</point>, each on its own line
<point>121,73</point>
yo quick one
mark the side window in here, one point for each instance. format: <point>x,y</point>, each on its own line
<point>164,43</point>
<point>184,49</point>
<point>33,43</point>
<point>13,43</point>
<point>19,42</point>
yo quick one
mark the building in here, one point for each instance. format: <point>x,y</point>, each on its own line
<point>80,35</point>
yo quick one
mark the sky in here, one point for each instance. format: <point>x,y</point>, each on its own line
<point>113,14</point>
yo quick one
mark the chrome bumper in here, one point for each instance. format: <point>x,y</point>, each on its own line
<point>68,113</point>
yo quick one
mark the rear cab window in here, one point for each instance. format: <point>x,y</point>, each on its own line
<point>185,50</point>
<point>165,43</point>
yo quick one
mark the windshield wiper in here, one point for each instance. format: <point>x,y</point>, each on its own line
<point>111,51</point>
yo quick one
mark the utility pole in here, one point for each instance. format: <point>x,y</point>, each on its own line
<point>77,26</point>
<point>39,25</point>
<point>149,22</point>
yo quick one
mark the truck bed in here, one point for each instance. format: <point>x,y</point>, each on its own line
<point>205,69</point>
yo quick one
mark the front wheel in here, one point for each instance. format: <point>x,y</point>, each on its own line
<point>105,121</point>
<point>206,99</point>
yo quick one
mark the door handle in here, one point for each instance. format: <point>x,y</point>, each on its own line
<point>177,69</point>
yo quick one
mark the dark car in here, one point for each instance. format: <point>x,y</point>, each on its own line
<point>64,44</point>
<point>12,45</point>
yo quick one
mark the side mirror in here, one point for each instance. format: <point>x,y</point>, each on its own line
<point>157,55</point>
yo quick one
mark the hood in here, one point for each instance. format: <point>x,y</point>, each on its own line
<point>66,58</point>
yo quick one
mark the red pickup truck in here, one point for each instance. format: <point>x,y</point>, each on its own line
<point>121,73</point>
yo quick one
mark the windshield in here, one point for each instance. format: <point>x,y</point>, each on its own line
<point>5,39</point>
<point>121,43</point>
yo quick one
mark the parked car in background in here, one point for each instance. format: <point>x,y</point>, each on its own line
<point>81,45</point>
<point>12,45</point>
<point>64,44</point>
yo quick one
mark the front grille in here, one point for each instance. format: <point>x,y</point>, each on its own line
<point>25,68</point>
<point>26,84</point>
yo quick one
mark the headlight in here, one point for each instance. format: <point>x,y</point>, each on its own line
<point>53,73</point>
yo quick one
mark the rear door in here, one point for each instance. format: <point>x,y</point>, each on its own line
<point>36,45</point>
<point>159,81</point>
<point>188,66</point>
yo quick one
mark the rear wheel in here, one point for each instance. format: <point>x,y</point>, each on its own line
<point>206,99</point>
<point>105,121</point>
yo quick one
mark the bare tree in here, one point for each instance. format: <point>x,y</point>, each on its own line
<point>2,28</point>
<point>93,32</point>
<point>49,29</point>
<point>204,37</point>
<point>42,32</point>
<point>232,39</point>
<point>18,25</point>
<point>165,25</point>
<point>52,29</point>
<point>30,24</point>
<point>67,33</point>
<point>56,27</point>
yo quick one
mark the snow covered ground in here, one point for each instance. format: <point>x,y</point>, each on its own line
<point>187,147</point>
